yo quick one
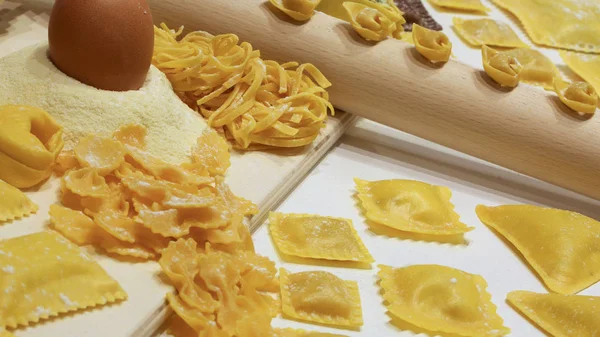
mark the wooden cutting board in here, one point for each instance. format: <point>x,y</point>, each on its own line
<point>263,177</point>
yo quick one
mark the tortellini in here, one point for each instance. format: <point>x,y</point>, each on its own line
<point>410,206</point>
<point>439,298</point>
<point>537,68</point>
<point>320,297</point>
<point>433,45</point>
<point>561,246</point>
<point>569,24</point>
<point>501,67</point>
<point>317,237</point>
<point>14,203</point>
<point>373,20</point>
<point>579,96</point>
<point>587,66</point>
<point>30,141</point>
<point>478,32</point>
<point>559,315</point>
<point>463,5</point>
<point>299,10</point>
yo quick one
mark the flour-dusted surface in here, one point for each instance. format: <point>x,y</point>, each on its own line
<point>28,77</point>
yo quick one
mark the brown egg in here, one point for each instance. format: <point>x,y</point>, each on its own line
<point>103,43</point>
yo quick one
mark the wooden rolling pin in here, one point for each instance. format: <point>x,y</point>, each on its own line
<point>526,129</point>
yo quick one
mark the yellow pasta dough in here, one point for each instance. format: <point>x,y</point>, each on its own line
<point>302,333</point>
<point>43,275</point>
<point>501,67</point>
<point>537,68</point>
<point>370,23</point>
<point>462,5</point>
<point>300,10</point>
<point>317,237</point>
<point>587,66</point>
<point>439,298</point>
<point>489,32</point>
<point>561,246</point>
<point>433,45</point>
<point>320,297</point>
<point>560,315</point>
<point>4,333</point>
<point>568,24</point>
<point>14,203</point>
<point>579,96</point>
<point>411,206</point>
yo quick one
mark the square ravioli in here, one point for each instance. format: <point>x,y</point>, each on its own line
<point>573,261</point>
<point>568,24</point>
<point>44,275</point>
<point>410,206</point>
<point>441,299</point>
<point>559,315</point>
<point>320,297</point>
<point>317,237</point>
<point>478,32</point>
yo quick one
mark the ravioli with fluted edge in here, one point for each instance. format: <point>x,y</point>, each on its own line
<point>501,67</point>
<point>561,246</point>
<point>461,5</point>
<point>433,45</point>
<point>30,140</point>
<point>579,96</point>
<point>568,24</point>
<point>559,315</point>
<point>538,69</point>
<point>317,237</point>
<point>320,297</point>
<point>410,206</point>
<point>587,66</point>
<point>302,333</point>
<point>478,32</point>
<point>44,275</point>
<point>299,10</point>
<point>441,299</point>
<point>14,203</point>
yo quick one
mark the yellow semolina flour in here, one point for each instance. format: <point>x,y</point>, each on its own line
<point>28,77</point>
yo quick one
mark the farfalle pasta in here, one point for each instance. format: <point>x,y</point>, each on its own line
<point>410,206</point>
<point>317,237</point>
<point>572,264</point>
<point>30,141</point>
<point>461,5</point>
<point>14,203</point>
<point>433,45</point>
<point>320,297</point>
<point>299,10</point>
<point>44,275</point>
<point>559,315</point>
<point>501,67</point>
<point>579,96</point>
<point>441,299</point>
<point>568,24</point>
<point>479,32</point>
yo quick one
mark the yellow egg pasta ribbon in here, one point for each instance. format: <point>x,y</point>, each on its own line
<point>256,103</point>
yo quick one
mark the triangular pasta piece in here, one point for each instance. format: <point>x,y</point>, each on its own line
<point>439,298</point>
<point>479,32</point>
<point>44,275</point>
<point>568,24</point>
<point>461,5</point>
<point>320,297</point>
<point>411,206</point>
<point>317,237</point>
<point>561,246</point>
<point>14,203</point>
<point>587,66</point>
<point>560,315</point>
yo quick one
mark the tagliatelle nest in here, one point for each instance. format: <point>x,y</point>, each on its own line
<point>256,103</point>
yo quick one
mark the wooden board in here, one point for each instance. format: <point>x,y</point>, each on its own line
<point>263,177</point>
